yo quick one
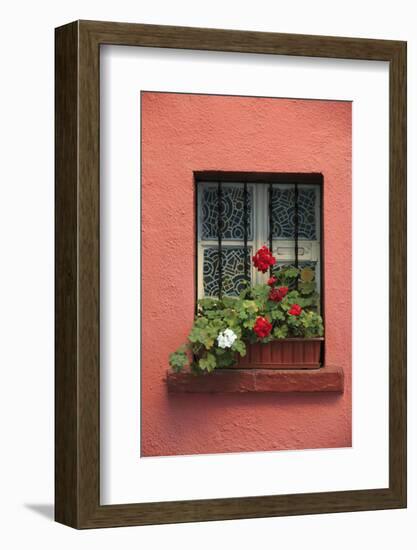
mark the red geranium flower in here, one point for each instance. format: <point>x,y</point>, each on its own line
<point>295,310</point>
<point>263,259</point>
<point>272,281</point>
<point>277,294</point>
<point>262,327</point>
<point>283,290</point>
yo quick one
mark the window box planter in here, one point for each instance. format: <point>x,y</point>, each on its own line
<point>275,325</point>
<point>288,353</point>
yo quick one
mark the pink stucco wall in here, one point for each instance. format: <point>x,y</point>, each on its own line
<point>183,133</point>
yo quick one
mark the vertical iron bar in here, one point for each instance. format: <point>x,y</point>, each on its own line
<point>321,282</point>
<point>219,237</point>
<point>321,252</point>
<point>270,222</point>
<point>296,222</point>
<point>197,205</point>
<point>245,231</point>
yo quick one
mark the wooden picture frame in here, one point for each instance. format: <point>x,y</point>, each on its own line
<point>77,405</point>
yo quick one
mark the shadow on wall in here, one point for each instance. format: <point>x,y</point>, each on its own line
<point>224,400</point>
<point>45,510</point>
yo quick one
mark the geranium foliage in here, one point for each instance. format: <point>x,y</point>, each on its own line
<point>285,307</point>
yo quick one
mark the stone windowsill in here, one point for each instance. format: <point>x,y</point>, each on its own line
<point>325,379</point>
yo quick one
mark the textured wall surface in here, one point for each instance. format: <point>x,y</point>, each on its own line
<point>183,133</point>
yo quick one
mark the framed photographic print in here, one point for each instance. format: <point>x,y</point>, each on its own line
<point>230,274</point>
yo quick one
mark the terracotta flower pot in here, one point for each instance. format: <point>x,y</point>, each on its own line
<point>288,353</point>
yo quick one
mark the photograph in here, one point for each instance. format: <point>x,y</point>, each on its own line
<point>246,273</point>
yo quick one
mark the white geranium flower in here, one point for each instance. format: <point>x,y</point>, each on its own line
<point>226,338</point>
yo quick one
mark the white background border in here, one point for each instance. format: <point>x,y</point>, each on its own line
<point>126,478</point>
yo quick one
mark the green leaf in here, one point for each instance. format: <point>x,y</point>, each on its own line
<point>178,360</point>
<point>307,288</point>
<point>249,323</point>
<point>292,272</point>
<point>307,274</point>
<point>293,320</point>
<point>208,303</point>
<point>229,301</point>
<point>312,323</point>
<point>277,315</point>
<point>250,306</point>
<point>281,332</point>
<point>226,360</point>
<point>207,363</point>
<point>240,347</point>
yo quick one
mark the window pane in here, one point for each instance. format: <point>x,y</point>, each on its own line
<point>232,213</point>
<point>233,277</point>
<point>283,213</point>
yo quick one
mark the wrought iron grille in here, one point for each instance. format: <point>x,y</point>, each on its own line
<point>228,221</point>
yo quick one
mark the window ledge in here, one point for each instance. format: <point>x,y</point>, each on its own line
<point>325,379</point>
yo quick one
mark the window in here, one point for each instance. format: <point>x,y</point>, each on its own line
<point>236,218</point>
